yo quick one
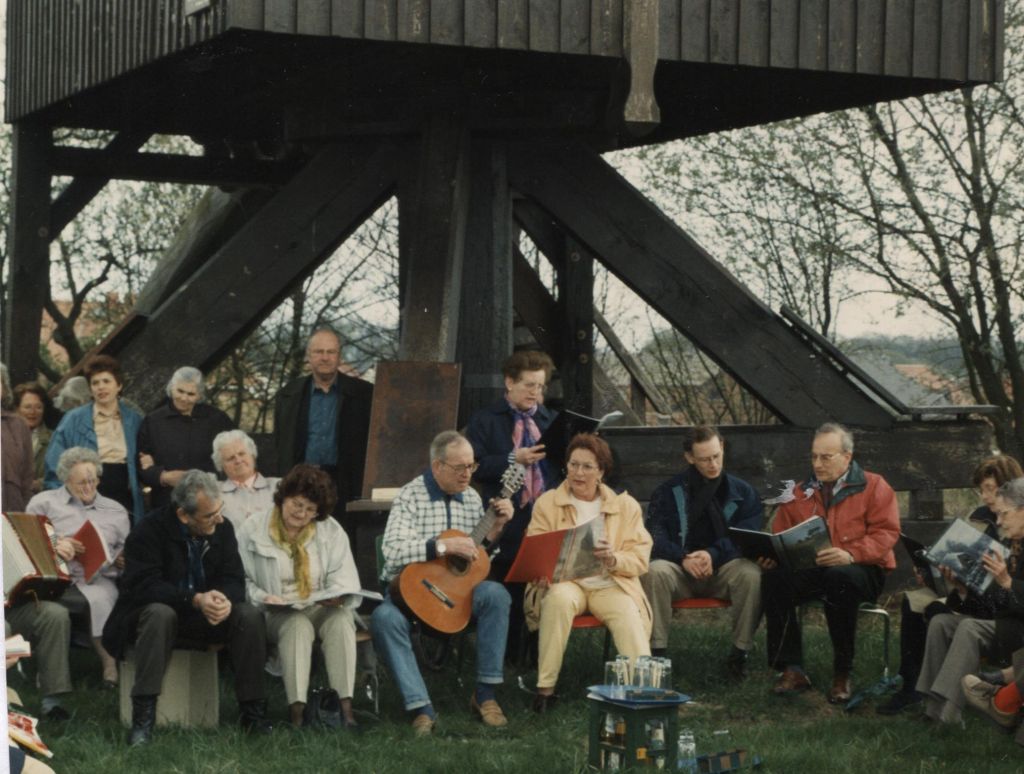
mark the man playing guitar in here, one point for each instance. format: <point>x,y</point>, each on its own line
<point>438,500</point>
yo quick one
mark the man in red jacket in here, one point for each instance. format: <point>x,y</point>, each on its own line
<point>864,524</point>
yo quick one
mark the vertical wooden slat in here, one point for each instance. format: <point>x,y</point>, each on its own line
<point>446,22</point>
<point>980,40</point>
<point>481,25</point>
<point>812,53</point>
<point>723,31</point>
<point>842,36</point>
<point>870,36</point>
<point>347,18</point>
<point>693,31</point>
<point>414,21</point>
<point>754,32</point>
<point>279,16</point>
<point>13,85</point>
<point>313,17</point>
<point>574,27</point>
<point>248,14</point>
<point>899,36</point>
<point>512,24</point>
<point>668,29</point>
<point>381,20</point>
<point>544,33</point>
<point>953,43</point>
<point>606,27</point>
<point>927,24</point>
<point>785,32</point>
<point>999,39</point>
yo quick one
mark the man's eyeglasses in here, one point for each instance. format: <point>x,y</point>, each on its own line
<point>824,457</point>
<point>708,460</point>
<point>463,469</point>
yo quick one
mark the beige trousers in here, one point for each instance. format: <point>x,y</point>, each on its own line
<point>295,632</point>
<point>565,601</point>
<point>738,580</point>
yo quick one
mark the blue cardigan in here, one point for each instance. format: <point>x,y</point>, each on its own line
<point>76,429</point>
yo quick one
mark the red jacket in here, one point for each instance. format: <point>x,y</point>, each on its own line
<point>863,518</point>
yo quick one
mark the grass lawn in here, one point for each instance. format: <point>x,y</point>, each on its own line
<point>798,734</point>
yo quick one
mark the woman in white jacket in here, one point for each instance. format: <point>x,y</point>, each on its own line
<point>299,568</point>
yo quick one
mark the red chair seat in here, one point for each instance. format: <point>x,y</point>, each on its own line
<point>700,603</point>
<point>586,621</point>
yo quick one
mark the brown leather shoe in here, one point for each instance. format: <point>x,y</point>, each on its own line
<point>791,681</point>
<point>980,695</point>
<point>489,712</point>
<point>423,724</point>
<point>840,692</point>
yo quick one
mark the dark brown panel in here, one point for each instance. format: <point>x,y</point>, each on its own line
<point>414,21</point>
<point>870,36</point>
<point>544,25</point>
<point>694,30</point>
<point>481,25</point>
<point>927,26</point>
<point>953,41</point>
<point>723,31</point>
<point>381,20</point>
<point>842,36</point>
<point>754,32</point>
<point>813,47</point>
<point>513,23</point>
<point>279,15</point>
<point>606,27</point>
<point>313,17</point>
<point>574,27</point>
<point>347,18</point>
<point>785,25</point>
<point>899,38</point>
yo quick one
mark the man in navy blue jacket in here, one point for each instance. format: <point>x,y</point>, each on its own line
<point>689,518</point>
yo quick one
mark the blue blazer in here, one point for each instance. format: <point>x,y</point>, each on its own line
<point>77,429</point>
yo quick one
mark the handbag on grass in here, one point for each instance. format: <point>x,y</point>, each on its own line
<point>323,709</point>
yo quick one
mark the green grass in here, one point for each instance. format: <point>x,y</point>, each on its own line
<point>798,734</point>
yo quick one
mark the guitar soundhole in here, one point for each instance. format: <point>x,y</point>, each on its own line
<point>458,565</point>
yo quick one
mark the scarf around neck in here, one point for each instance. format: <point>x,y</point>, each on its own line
<point>525,433</point>
<point>295,548</point>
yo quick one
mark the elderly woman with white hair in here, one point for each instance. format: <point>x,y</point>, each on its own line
<point>176,437</point>
<point>68,509</point>
<point>246,492</point>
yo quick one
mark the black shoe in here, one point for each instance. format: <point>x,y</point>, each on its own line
<point>542,702</point>
<point>659,652</point>
<point>253,717</point>
<point>56,713</point>
<point>900,701</point>
<point>736,664</point>
<point>143,720</point>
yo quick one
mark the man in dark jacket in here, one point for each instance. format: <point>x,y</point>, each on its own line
<point>184,583</point>
<point>689,518</point>
<point>324,419</point>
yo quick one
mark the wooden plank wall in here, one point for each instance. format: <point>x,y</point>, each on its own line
<point>59,47</point>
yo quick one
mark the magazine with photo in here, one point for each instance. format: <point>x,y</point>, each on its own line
<point>960,550</point>
<point>794,549</point>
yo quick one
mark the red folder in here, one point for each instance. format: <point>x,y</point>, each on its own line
<point>537,557</point>
<point>97,555</point>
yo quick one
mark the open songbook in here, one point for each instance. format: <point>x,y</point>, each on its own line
<point>960,550</point>
<point>794,549</point>
<point>562,555</point>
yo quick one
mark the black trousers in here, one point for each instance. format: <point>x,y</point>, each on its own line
<point>841,588</point>
<point>159,628</point>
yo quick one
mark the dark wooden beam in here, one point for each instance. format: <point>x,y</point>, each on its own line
<point>28,247</point>
<point>576,308</point>
<point>80,191</point>
<point>430,315</point>
<point>247,278</point>
<point>536,307</point>
<point>677,277</point>
<point>169,167</point>
<point>911,455</point>
<point>485,319</point>
<point>640,380</point>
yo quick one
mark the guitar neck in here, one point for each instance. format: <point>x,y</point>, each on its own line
<point>511,481</point>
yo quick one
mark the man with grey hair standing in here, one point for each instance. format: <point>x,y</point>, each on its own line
<point>864,525</point>
<point>184,581</point>
<point>439,500</point>
<point>323,419</point>
<point>177,436</point>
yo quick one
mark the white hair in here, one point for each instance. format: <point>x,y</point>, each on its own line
<point>230,436</point>
<point>189,375</point>
<point>76,455</point>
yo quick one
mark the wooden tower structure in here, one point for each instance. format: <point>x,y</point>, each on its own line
<point>484,117</point>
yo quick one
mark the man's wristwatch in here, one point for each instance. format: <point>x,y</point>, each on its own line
<point>440,548</point>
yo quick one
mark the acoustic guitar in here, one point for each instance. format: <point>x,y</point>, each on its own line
<point>439,593</point>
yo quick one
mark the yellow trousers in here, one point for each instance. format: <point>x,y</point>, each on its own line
<point>565,601</point>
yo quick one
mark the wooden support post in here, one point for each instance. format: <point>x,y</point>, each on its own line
<point>640,46</point>
<point>576,303</point>
<point>433,274</point>
<point>28,246</point>
<point>926,505</point>
<point>485,319</point>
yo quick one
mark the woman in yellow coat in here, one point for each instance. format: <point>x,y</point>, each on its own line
<point>614,596</point>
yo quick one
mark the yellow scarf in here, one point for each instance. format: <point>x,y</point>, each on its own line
<point>295,548</point>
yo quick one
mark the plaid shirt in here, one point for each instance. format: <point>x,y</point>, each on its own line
<point>422,511</point>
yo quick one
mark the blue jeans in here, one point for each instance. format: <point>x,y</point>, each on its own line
<point>391,639</point>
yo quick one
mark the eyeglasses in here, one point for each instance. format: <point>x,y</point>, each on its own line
<point>824,457</point>
<point>319,352</point>
<point>586,467</point>
<point>533,386</point>
<point>708,460</point>
<point>463,469</point>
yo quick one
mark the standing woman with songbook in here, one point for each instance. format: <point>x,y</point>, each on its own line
<point>68,509</point>
<point>109,426</point>
<point>615,596</point>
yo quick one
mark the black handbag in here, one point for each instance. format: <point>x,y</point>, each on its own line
<point>323,709</point>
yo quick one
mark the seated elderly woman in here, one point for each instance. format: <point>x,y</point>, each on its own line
<point>300,570</point>
<point>615,596</point>
<point>68,508</point>
<point>245,492</point>
<point>956,643</point>
<point>176,437</point>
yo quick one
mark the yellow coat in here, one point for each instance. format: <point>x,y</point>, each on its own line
<point>624,530</point>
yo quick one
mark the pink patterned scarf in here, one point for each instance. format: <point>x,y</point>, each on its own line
<point>525,434</point>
